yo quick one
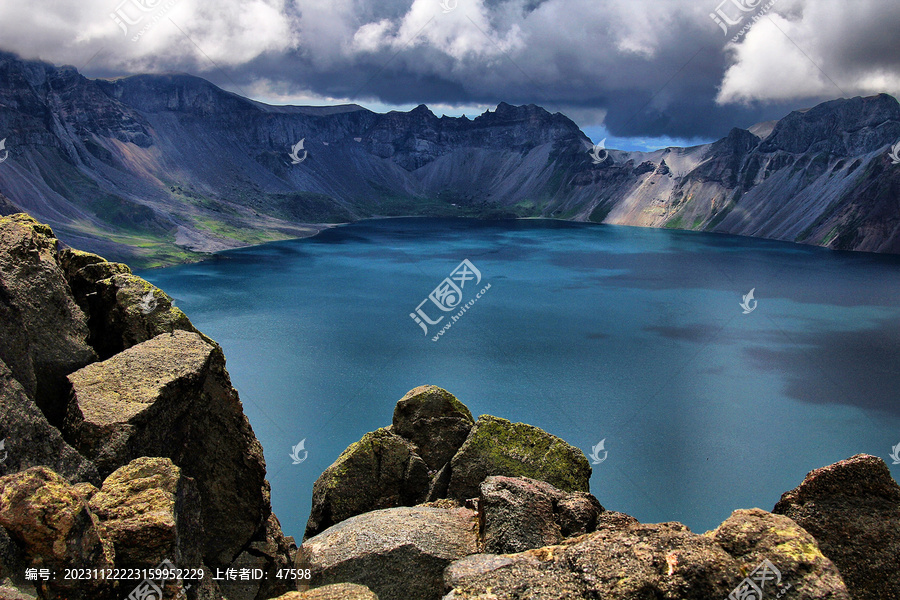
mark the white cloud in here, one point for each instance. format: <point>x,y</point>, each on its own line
<point>819,48</point>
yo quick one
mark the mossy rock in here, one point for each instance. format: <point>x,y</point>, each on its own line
<point>496,446</point>
<point>435,421</point>
<point>381,470</point>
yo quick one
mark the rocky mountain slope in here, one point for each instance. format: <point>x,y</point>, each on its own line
<point>159,168</point>
<point>128,469</point>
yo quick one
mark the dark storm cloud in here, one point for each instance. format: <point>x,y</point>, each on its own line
<point>639,67</point>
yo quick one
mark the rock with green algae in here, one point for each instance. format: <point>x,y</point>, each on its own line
<point>52,523</point>
<point>43,332</point>
<point>625,560</point>
<point>399,553</point>
<point>337,591</point>
<point>123,309</point>
<point>435,421</point>
<point>150,512</point>
<point>496,446</point>
<point>852,509</point>
<point>171,397</point>
<point>754,535</point>
<point>382,470</point>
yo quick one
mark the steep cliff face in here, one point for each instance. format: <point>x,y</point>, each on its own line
<point>158,167</point>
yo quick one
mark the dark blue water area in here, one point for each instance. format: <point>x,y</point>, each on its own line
<point>591,332</point>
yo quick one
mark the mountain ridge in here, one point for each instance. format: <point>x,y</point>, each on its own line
<point>157,169</point>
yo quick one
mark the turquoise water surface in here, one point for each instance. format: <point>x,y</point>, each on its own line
<point>591,332</point>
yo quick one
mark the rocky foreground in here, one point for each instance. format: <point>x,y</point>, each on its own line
<point>125,447</point>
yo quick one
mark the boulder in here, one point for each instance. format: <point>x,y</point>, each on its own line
<point>381,470</point>
<point>30,441</point>
<point>398,553</point>
<point>271,552</point>
<point>435,421</point>
<point>150,512</point>
<point>123,309</point>
<point>51,522</point>
<point>171,397</point>
<point>337,591</point>
<point>498,447</point>
<point>578,513</point>
<point>852,509</point>
<point>43,332</point>
<point>519,513</point>
<point>625,560</point>
<point>753,536</point>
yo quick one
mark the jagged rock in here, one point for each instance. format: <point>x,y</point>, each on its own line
<point>519,513</point>
<point>399,553</point>
<point>30,440</point>
<point>150,512</point>
<point>46,517</point>
<point>498,447</point>
<point>625,560</point>
<point>272,552</point>
<point>337,591</point>
<point>172,397</point>
<point>435,421</point>
<point>852,509</point>
<point>123,309</point>
<point>752,536</point>
<point>43,332</point>
<point>381,470</point>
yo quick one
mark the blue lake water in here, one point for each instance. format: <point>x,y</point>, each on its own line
<point>591,332</point>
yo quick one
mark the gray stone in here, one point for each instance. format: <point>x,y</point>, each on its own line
<point>398,553</point>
